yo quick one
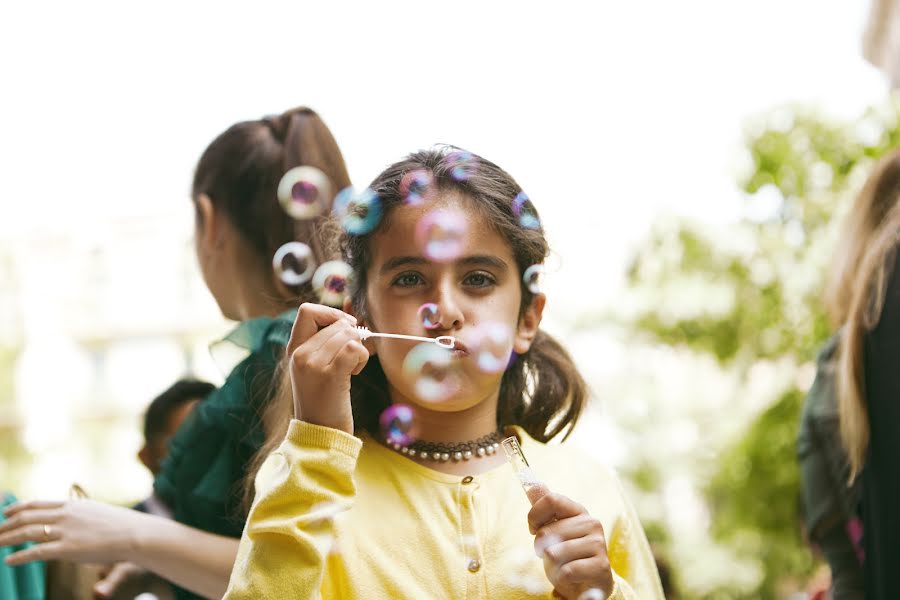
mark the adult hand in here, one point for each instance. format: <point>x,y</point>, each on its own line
<point>76,530</point>
<point>325,351</point>
<point>573,547</point>
<point>128,580</point>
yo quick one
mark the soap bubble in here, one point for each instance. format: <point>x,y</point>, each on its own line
<point>294,263</point>
<point>462,165</point>
<point>534,279</point>
<point>359,211</point>
<point>430,315</point>
<point>432,371</point>
<point>491,346</point>
<point>525,212</point>
<point>331,282</point>
<point>441,234</point>
<point>304,192</point>
<point>417,186</point>
<point>397,424</point>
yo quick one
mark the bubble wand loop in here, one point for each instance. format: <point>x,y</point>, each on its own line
<point>444,341</point>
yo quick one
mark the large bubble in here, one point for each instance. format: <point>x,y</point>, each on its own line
<point>397,424</point>
<point>441,234</point>
<point>430,315</point>
<point>491,345</point>
<point>462,165</point>
<point>304,192</point>
<point>359,211</point>
<point>332,282</point>
<point>433,372</point>
<point>294,263</point>
<point>417,187</point>
<point>534,279</point>
<point>525,212</point>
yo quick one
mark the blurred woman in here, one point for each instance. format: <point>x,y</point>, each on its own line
<point>240,225</point>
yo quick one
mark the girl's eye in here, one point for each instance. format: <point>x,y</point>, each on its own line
<point>408,280</point>
<point>480,279</point>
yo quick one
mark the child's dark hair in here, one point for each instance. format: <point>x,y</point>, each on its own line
<point>184,390</point>
<point>542,391</point>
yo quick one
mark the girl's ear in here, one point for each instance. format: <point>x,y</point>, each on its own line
<point>529,324</point>
<point>208,224</point>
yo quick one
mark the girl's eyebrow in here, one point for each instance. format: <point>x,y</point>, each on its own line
<point>475,260</point>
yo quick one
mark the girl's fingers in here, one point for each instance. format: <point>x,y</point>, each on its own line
<point>571,550</point>
<point>552,507</point>
<point>572,528</point>
<point>29,517</point>
<point>28,533</point>
<point>317,342</point>
<point>311,318</point>
<point>593,570</point>
<point>18,507</point>
<point>50,551</point>
<point>351,358</point>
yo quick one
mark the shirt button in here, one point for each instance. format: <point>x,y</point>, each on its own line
<point>474,565</point>
<point>468,479</point>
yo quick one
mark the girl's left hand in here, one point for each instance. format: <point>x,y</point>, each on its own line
<point>572,545</point>
<point>76,530</point>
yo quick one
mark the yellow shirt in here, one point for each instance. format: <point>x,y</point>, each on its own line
<point>340,517</point>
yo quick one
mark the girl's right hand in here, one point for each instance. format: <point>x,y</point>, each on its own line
<point>325,350</point>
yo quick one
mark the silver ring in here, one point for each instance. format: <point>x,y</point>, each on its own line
<point>47,533</point>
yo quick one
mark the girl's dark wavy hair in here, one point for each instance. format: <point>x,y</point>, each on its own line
<point>542,391</point>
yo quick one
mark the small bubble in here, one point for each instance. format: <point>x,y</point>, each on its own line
<point>462,165</point>
<point>303,192</point>
<point>525,212</point>
<point>430,315</point>
<point>441,234</point>
<point>397,424</point>
<point>331,282</point>
<point>491,345</point>
<point>416,187</point>
<point>432,372</point>
<point>534,279</point>
<point>359,211</point>
<point>294,264</point>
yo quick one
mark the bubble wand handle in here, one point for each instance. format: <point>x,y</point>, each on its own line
<point>444,341</point>
<point>534,488</point>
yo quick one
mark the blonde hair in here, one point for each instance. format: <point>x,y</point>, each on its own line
<point>863,271</point>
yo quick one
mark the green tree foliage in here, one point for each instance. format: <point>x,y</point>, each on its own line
<point>768,271</point>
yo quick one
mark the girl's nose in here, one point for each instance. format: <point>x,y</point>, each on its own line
<point>450,315</point>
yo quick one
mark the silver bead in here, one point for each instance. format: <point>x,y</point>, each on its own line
<point>481,451</point>
<point>496,445</point>
<point>397,447</point>
<point>457,456</point>
<point>412,453</point>
<point>436,456</point>
<point>490,449</point>
<point>404,450</point>
<point>445,457</point>
<point>467,454</point>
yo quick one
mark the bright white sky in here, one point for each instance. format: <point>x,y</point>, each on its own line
<point>608,113</point>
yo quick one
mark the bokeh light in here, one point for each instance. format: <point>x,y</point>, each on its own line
<point>294,264</point>
<point>304,192</point>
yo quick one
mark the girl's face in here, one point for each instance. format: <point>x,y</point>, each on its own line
<point>477,295</point>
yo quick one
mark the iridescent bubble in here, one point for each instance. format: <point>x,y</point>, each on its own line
<point>397,424</point>
<point>441,234</point>
<point>331,282</point>
<point>303,192</point>
<point>359,211</point>
<point>534,279</point>
<point>430,315</point>
<point>525,212</point>
<point>417,186</point>
<point>462,165</point>
<point>432,371</point>
<point>491,346</point>
<point>294,263</point>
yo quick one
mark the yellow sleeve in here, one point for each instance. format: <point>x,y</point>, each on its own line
<point>290,528</point>
<point>634,568</point>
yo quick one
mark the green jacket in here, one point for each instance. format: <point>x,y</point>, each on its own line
<point>25,582</point>
<point>201,479</point>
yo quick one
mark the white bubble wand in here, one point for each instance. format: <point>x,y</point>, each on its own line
<point>444,341</point>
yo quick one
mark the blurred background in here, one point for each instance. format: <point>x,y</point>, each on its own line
<point>691,162</point>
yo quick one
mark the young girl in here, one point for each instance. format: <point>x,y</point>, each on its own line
<point>443,516</point>
<point>240,225</point>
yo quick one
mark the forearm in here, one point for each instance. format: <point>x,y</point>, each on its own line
<point>190,558</point>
